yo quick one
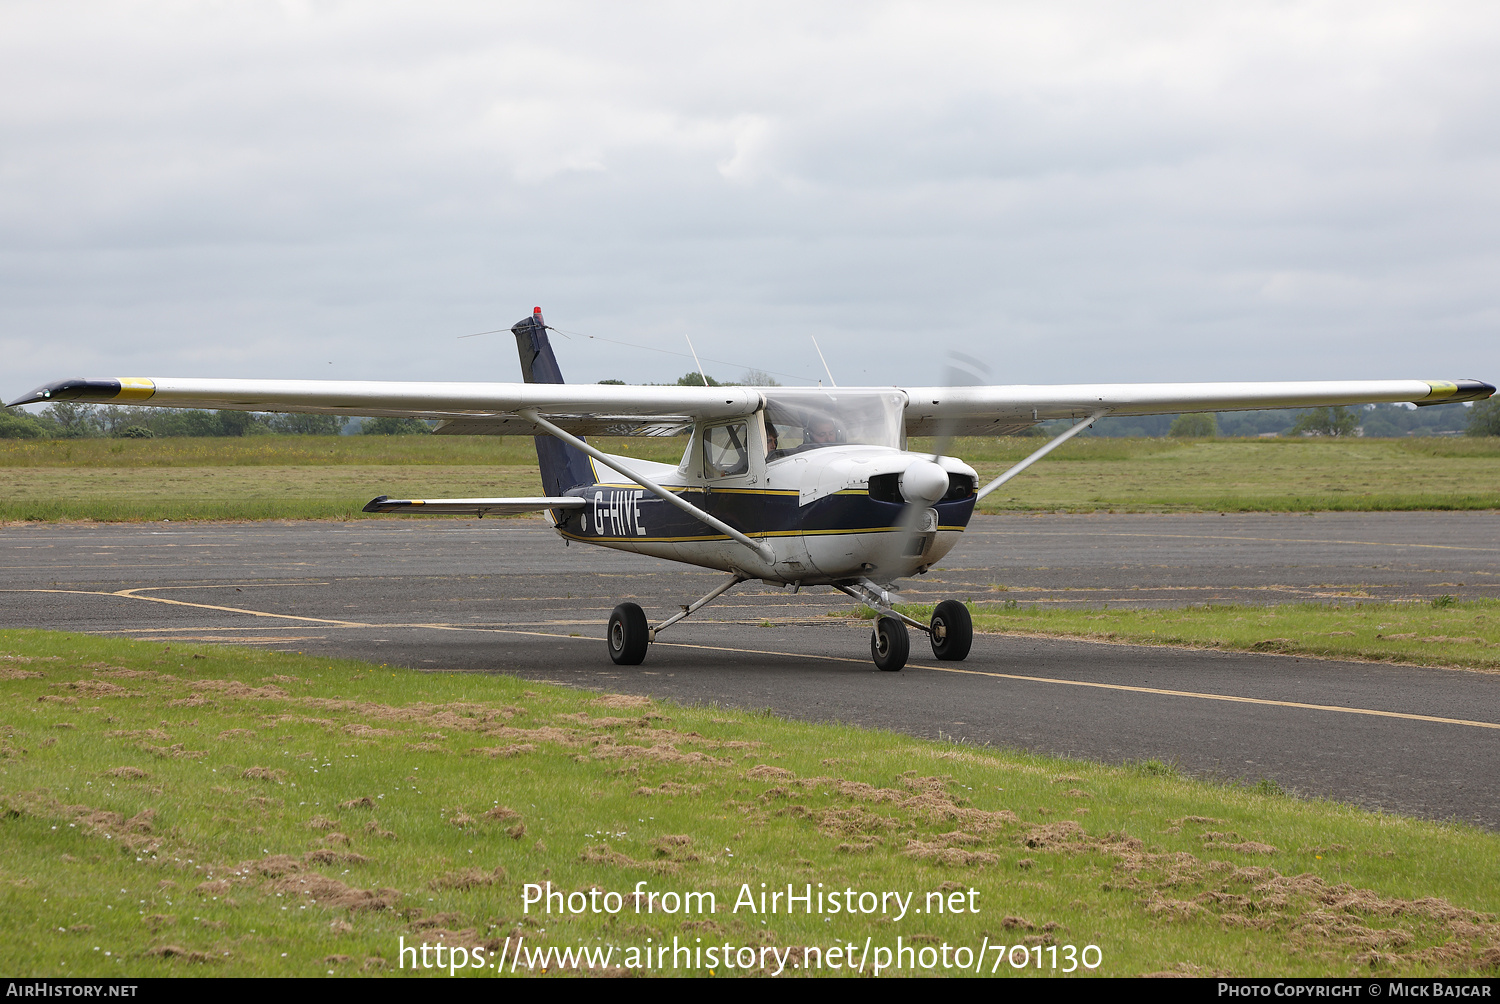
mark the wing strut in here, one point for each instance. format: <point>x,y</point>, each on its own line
<point>1039,454</point>
<point>760,548</point>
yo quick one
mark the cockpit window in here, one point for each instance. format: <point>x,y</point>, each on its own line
<point>808,420</point>
<point>725,450</point>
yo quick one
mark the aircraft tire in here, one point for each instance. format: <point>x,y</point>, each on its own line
<point>952,631</point>
<point>889,645</point>
<point>628,635</point>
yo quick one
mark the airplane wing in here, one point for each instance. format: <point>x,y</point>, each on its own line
<point>595,409</point>
<point>479,507</point>
<point>464,408</point>
<point>998,411</point>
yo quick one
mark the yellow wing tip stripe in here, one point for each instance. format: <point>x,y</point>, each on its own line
<point>1441,388</point>
<point>136,389</point>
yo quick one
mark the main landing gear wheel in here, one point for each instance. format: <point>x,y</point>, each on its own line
<point>952,633</point>
<point>628,635</point>
<point>889,645</point>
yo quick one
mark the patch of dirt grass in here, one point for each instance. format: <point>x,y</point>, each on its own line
<point>312,827</point>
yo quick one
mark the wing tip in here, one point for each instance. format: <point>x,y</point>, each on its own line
<point>1456,391</point>
<point>92,389</point>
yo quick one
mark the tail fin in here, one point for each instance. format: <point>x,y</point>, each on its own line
<point>563,466</point>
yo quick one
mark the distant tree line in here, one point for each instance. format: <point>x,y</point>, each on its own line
<point>77,420</point>
<point>1484,418</point>
<point>692,378</point>
<point>1372,421</point>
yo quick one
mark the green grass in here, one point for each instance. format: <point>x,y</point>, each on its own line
<point>1444,632</point>
<point>241,492</point>
<point>306,451</point>
<point>267,477</point>
<point>192,810</point>
<point>1294,475</point>
<point>1087,448</point>
<point>331,477</point>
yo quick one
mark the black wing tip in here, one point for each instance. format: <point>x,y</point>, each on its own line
<point>71,390</point>
<point>376,504</point>
<point>1462,390</point>
<point>1475,390</point>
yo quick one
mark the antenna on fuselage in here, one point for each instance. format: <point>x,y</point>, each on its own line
<point>695,359</point>
<point>831,381</point>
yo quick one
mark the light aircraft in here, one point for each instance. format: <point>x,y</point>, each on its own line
<point>794,486</point>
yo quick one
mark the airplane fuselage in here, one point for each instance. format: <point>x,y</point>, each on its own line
<point>830,515</point>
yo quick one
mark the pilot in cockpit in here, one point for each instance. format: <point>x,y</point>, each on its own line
<point>822,431</point>
<point>813,431</point>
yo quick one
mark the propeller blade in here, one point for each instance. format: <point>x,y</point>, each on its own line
<point>961,371</point>
<point>924,482</point>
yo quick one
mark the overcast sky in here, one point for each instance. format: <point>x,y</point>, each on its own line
<point>1070,191</point>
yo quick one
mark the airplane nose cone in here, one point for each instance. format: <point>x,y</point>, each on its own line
<point>924,482</point>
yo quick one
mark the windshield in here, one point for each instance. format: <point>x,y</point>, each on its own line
<point>808,420</point>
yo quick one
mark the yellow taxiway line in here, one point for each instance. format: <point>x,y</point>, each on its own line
<point>133,594</point>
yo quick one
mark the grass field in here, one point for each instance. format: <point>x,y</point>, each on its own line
<point>308,477</point>
<point>266,477</point>
<point>205,811</point>
<point>245,492</point>
<point>1454,633</point>
<point>305,451</point>
<point>1247,475</point>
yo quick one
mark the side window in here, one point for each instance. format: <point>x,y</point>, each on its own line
<point>725,450</point>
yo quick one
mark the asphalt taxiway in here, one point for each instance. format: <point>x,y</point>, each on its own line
<point>507,596</point>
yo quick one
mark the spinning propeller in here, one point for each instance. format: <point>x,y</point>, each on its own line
<point>921,485</point>
<point>925,482</point>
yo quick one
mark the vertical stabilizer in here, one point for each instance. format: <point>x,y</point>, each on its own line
<point>563,467</point>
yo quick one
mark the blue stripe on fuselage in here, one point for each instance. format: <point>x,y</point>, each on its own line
<point>617,514</point>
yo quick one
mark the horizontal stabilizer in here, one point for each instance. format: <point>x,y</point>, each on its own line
<point>476,507</point>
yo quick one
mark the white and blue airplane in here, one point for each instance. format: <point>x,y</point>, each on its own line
<point>794,486</point>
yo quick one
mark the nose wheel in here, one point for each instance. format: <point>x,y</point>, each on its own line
<point>951,630</point>
<point>889,644</point>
